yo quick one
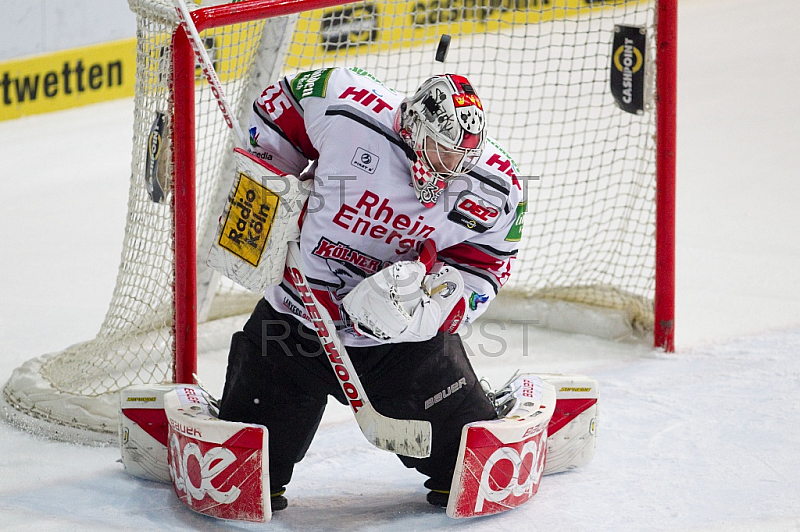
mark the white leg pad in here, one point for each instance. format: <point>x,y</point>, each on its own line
<point>143,431</point>
<point>550,428</point>
<point>573,428</point>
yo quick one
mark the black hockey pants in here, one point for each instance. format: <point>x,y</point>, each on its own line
<point>278,376</point>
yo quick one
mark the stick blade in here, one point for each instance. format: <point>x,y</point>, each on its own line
<point>406,437</point>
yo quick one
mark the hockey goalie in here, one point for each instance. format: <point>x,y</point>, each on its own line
<point>410,228</point>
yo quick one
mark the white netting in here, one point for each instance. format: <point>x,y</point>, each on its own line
<point>589,167</point>
<point>541,69</point>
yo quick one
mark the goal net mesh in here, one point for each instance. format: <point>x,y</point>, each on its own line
<point>541,68</point>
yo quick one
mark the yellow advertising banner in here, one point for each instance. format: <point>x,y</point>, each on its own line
<point>70,78</point>
<point>381,25</point>
<point>107,71</point>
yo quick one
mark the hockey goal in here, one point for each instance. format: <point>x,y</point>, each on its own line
<point>599,180</point>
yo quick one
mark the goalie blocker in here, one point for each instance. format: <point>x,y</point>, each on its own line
<point>261,215</point>
<point>170,433</point>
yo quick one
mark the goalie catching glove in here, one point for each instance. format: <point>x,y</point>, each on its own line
<point>402,304</point>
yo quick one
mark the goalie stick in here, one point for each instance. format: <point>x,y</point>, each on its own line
<point>405,437</point>
<point>208,69</point>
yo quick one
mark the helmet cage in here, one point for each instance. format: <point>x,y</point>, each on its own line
<point>443,122</point>
<point>445,161</point>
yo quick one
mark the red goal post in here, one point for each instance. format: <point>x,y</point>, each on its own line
<point>666,127</point>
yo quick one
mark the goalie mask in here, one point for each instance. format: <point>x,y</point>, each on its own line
<point>443,122</point>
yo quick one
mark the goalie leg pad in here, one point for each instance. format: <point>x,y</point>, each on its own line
<point>143,431</point>
<point>550,427</point>
<point>169,433</point>
<point>573,429</point>
<point>500,462</point>
<point>218,468</point>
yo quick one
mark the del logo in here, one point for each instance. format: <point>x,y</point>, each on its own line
<point>476,299</point>
<point>364,160</point>
<point>474,212</point>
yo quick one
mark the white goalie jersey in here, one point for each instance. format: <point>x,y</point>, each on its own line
<point>338,127</point>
